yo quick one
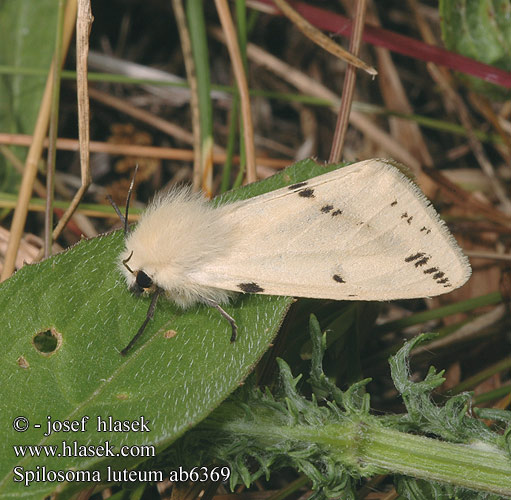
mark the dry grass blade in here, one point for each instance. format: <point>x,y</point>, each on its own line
<point>458,195</point>
<point>158,123</point>
<point>395,97</point>
<point>321,39</point>
<point>349,85</point>
<point>488,255</point>
<point>140,114</point>
<point>474,329</point>
<point>186,47</point>
<point>310,86</point>
<point>136,150</point>
<point>475,143</point>
<point>483,105</point>
<point>241,80</point>
<point>83,25</point>
<point>13,159</point>
<point>443,79</point>
<point>52,150</point>
<point>36,148</point>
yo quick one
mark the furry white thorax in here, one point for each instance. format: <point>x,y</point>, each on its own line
<point>178,234</point>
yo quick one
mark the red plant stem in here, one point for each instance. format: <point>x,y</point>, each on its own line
<point>400,44</point>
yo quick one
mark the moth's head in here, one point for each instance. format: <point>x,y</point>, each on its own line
<point>139,280</point>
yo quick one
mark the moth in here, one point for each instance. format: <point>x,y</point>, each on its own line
<point>362,232</point>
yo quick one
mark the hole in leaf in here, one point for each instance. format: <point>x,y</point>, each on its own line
<point>47,342</point>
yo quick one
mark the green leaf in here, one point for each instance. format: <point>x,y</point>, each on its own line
<point>338,443</point>
<point>450,421</point>
<point>481,30</point>
<point>27,40</point>
<point>181,369</point>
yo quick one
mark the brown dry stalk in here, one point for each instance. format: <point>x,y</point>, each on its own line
<point>309,86</point>
<point>239,73</point>
<point>136,150</point>
<point>84,20</point>
<point>52,135</point>
<point>83,26</point>
<point>396,99</point>
<point>349,85</point>
<point>186,48</point>
<point>34,153</point>
<point>475,144</point>
<point>321,39</point>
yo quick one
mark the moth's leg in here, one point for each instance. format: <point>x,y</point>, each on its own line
<point>149,315</point>
<point>227,316</point>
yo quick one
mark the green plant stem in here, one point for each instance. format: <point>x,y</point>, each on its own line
<point>382,356</point>
<point>364,445</point>
<point>440,312</point>
<point>200,53</point>
<point>231,139</point>
<point>471,382</point>
<point>425,121</point>
<point>9,199</point>
<point>482,469</point>
<point>431,314</point>
<point>500,392</point>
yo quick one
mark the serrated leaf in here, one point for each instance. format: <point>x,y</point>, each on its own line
<point>181,369</point>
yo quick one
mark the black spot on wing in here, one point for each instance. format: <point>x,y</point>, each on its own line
<point>250,287</point>
<point>427,230</point>
<point>423,260</point>
<point>338,278</point>
<point>327,209</point>
<point>297,186</point>
<point>306,193</point>
<point>394,203</point>
<point>431,270</point>
<point>408,218</point>
<point>415,256</point>
<point>420,259</point>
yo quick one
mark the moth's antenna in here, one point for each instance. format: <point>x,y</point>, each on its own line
<point>115,207</point>
<point>150,314</point>
<point>128,198</point>
<point>124,218</point>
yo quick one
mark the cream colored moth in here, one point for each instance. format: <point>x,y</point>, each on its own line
<point>362,232</point>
